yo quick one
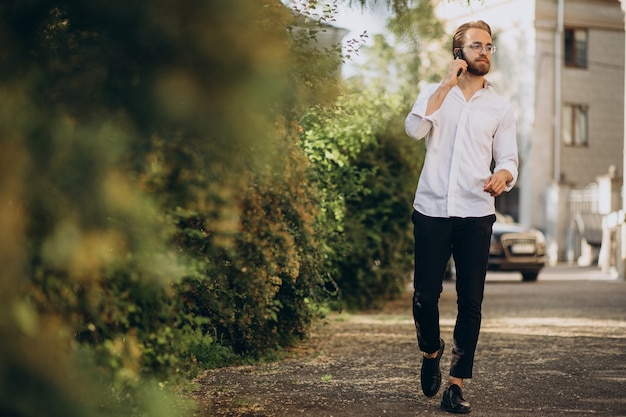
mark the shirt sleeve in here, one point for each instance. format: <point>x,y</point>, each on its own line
<point>505,147</point>
<point>417,125</point>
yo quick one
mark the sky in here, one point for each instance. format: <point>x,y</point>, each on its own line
<point>370,19</point>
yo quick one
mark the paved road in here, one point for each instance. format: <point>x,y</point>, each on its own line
<point>556,347</point>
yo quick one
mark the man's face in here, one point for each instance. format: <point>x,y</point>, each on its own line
<point>478,61</point>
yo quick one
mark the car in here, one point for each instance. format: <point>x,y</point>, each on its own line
<point>516,248</point>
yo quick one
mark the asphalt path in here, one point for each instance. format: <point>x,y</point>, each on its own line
<point>555,347</point>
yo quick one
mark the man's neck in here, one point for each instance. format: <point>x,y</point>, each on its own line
<point>470,84</point>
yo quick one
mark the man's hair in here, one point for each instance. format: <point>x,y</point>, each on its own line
<point>459,35</point>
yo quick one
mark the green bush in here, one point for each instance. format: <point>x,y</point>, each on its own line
<point>367,170</point>
<point>256,290</point>
<point>153,195</point>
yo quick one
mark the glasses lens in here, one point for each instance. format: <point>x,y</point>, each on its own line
<point>478,47</point>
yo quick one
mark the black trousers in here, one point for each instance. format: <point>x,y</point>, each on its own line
<point>467,239</point>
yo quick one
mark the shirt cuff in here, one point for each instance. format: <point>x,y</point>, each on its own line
<point>512,168</point>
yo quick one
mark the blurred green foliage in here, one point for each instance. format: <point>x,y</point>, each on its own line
<point>366,169</point>
<point>152,192</point>
<point>181,188</point>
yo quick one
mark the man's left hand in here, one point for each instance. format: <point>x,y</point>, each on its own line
<point>496,183</point>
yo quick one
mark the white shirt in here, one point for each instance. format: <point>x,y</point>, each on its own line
<point>462,137</point>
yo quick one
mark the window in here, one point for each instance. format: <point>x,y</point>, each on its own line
<point>576,44</point>
<point>574,125</point>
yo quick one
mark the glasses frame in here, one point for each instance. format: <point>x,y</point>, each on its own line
<point>478,47</point>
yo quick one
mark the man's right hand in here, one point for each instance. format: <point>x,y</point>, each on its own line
<point>453,69</point>
<point>434,102</point>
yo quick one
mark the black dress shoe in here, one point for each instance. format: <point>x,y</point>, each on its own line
<point>453,401</point>
<point>431,373</point>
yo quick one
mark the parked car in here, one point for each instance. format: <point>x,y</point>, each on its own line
<point>513,248</point>
<point>516,248</point>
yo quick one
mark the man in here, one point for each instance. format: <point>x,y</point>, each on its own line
<point>467,127</point>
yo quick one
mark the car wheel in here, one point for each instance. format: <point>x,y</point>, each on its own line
<point>529,276</point>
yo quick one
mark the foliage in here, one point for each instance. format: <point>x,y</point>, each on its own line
<point>255,292</point>
<point>398,62</point>
<point>153,195</point>
<point>367,169</point>
<point>412,28</point>
<point>399,7</point>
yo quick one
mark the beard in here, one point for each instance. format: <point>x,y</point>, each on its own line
<point>481,68</point>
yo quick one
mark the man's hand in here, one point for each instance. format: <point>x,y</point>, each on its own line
<point>496,183</point>
<point>451,79</point>
<point>454,67</point>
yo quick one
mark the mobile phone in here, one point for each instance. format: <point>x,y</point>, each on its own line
<point>459,54</point>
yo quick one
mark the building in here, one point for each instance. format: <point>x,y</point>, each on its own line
<point>561,63</point>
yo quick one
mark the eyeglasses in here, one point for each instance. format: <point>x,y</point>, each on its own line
<point>478,47</point>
